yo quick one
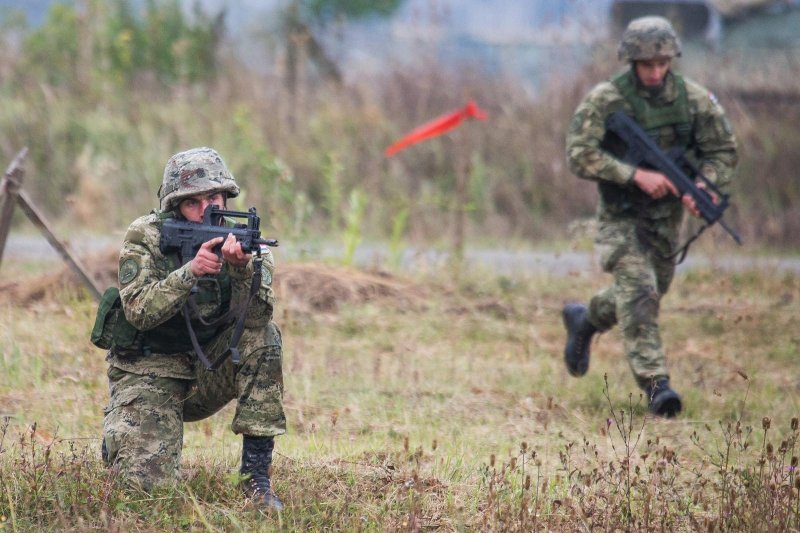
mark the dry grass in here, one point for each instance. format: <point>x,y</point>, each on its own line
<point>417,403</point>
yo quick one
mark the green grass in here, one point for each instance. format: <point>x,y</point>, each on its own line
<point>450,410</point>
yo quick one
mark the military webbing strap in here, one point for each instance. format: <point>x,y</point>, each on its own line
<point>233,345</point>
<point>653,118</point>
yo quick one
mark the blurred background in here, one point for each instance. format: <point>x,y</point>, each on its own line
<point>301,97</point>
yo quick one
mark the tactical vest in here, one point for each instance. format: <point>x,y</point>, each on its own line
<point>113,331</point>
<point>654,120</point>
<point>172,337</point>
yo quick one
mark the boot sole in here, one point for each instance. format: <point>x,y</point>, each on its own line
<point>573,367</point>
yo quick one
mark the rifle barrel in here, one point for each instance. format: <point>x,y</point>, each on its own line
<point>730,231</point>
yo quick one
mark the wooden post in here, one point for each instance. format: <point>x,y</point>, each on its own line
<point>12,192</point>
<point>462,154</point>
<point>462,178</point>
<point>9,189</point>
<point>71,259</point>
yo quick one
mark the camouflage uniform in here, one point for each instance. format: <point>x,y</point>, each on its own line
<point>158,383</point>
<point>637,234</point>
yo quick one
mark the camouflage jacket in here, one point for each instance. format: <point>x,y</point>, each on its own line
<point>713,145</point>
<point>152,291</point>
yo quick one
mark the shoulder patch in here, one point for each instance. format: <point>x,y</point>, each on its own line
<point>713,98</point>
<point>128,271</point>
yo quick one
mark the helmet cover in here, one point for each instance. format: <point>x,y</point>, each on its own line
<point>193,172</point>
<point>650,37</point>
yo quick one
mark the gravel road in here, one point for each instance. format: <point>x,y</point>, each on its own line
<point>502,261</point>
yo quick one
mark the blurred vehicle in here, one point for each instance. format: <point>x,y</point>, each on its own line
<point>700,20</point>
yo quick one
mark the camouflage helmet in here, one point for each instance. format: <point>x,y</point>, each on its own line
<point>649,37</point>
<point>195,171</point>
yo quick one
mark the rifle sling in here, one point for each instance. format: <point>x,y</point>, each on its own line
<point>681,250</point>
<point>233,346</point>
<point>255,284</point>
<point>223,318</point>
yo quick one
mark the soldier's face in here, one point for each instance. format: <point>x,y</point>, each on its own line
<point>192,208</point>
<point>651,72</point>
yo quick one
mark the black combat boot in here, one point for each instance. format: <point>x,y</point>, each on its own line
<point>579,337</point>
<point>256,458</point>
<point>663,401</point>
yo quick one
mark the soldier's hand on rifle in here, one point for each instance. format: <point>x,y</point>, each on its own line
<point>206,261</point>
<point>690,204</point>
<point>232,252</point>
<point>655,184</point>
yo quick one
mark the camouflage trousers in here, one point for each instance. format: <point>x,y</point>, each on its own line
<point>642,275</point>
<point>143,424</point>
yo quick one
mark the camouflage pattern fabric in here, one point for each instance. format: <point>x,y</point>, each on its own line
<point>714,143</point>
<point>649,37</point>
<point>151,396</point>
<point>195,171</point>
<point>641,278</point>
<point>633,245</point>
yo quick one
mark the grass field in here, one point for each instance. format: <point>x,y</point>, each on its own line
<point>419,401</point>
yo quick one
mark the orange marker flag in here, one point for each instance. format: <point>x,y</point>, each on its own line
<point>437,126</point>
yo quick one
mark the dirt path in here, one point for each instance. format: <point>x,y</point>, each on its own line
<point>507,262</point>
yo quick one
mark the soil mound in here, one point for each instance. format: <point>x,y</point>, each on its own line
<point>299,287</point>
<point>307,287</point>
<point>62,280</point>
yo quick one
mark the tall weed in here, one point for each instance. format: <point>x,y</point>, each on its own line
<point>127,116</point>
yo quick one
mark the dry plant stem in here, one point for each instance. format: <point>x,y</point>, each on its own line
<point>625,430</point>
<point>377,363</point>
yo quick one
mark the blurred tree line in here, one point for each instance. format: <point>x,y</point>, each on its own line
<point>104,92</point>
<point>109,41</point>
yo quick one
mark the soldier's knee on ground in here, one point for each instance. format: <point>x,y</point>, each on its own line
<point>143,464</point>
<point>143,428</point>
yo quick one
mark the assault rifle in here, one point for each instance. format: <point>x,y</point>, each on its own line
<point>643,151</point>
<point>186,237</point>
